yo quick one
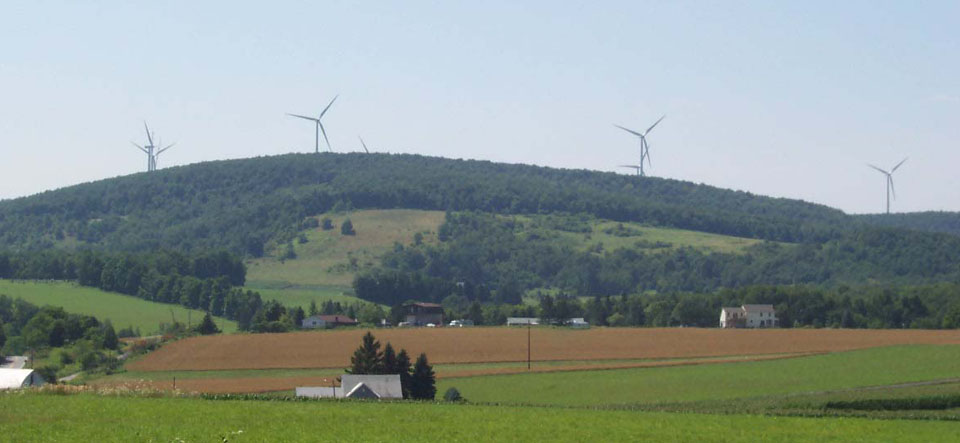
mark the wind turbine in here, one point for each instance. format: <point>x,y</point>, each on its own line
<point>364,145</point>
<point>889,176</point>
<point>319,127</point>
<point>644,146</point>
<point>151,149</point>
<point>637,167</point>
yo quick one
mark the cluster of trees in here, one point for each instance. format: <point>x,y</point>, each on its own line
<point>417,381</point>
<point>245,205</point>
<point>927,307</point>
<point>79,340</point>
<point>493,258</point>
<point>930,221</point>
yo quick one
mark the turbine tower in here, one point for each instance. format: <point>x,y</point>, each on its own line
<point>644,146</point>
<point>319,127</point>
<point>151,149</point>
<point>889,180</point>
<point>364,145</point>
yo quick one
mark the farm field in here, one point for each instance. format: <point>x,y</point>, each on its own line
<point>121,310</point>
<point>331,349</point>
<point>329,258</point>
<point>834,371</point>
<point>84,417</point>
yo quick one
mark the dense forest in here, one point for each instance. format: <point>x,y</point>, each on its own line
<point>243,205</point>
<point>497,258</point>
<point>931,221</point>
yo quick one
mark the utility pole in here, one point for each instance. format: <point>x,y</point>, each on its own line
<point>528,343</point>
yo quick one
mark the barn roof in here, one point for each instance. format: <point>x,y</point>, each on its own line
<point>385,386</point>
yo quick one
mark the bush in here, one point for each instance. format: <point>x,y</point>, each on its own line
<point>452,394</point>
<point>327,224</point>
<point>49,373</point>
<point>347,228</point>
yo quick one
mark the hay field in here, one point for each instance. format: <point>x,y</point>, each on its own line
<point>330,349</point>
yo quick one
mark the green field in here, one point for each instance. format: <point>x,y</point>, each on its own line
<point>871,367</point>
<point>121,310</point>
<point>302,297</point>
<point>85,417</point>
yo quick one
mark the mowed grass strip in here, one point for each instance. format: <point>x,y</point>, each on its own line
<point>33,417</point>
<point>330,349</point>
<point>121,310</point>
<point>836,371</point>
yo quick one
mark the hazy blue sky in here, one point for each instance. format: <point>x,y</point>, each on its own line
<point>776,98</point>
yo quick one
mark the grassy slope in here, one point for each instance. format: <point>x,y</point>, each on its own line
<point>33,417</point>
<point>121,310</point>
<point>880,366</point>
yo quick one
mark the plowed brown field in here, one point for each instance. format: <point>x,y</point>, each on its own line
<point>331,349</point>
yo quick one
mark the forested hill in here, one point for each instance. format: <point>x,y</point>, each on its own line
<point>931,221</point>
<point>239,205</point>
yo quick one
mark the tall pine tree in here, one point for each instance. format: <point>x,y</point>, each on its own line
<point>389,360</point>
<point>404,368</point>
<point>367,359</point>
<point>423,381</point>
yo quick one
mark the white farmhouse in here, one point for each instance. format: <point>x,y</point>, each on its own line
<point>749,316</point>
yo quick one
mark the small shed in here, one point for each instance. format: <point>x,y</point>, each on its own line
<point>19,378</point>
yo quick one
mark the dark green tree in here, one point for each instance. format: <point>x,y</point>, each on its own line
<point>313,308</point>
<point>404,368</point>
<point>110,340</point>
<point>389,362</point>
<point>207,326</point>
<point>346,228</point>
<point>326,224</point>
<point>423,380</point>
<point>367,359</point>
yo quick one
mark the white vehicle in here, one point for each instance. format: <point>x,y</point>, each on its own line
<point>430,325</point>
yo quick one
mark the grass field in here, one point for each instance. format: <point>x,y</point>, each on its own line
<point>302,296</point>
<point>86,417</point>
<point>329,258</point>
<point>331,349</point>
<point>121,310</point>
<point>842,370</point>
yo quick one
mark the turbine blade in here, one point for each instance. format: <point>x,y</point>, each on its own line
<point>149,136</point>
<point>324,131</point>
<point>654,124</point>
<point>892,189</point>
<point>630,166</point>
<point>364,145</point>
<point>164,149</point>
<point>898,165</point>
<point>881,170</point>
<point>140,148</point>
<point>630,131</point>
<point>328,106</point>
<point>304,117</point>
<point>648,157</point>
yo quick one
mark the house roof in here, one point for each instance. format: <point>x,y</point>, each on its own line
<point>362,391</point>
<point>758,308</point>
<point>15,378</point>
<point>426,305</point>
<point>385,386</point>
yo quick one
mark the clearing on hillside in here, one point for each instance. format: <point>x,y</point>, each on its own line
<point>121,310</point>
<point>330,349</point>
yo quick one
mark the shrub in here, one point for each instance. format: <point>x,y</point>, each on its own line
<point>346,228</point>
<point>452,394</point>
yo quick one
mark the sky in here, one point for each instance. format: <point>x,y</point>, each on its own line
<point>786,99</point>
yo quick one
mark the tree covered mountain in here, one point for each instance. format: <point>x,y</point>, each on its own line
<point>930,221</point>
<point>241,205</point>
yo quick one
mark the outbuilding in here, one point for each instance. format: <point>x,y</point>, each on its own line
<point>19,378</point>
<point>327,321</point>
<point>422,314</point>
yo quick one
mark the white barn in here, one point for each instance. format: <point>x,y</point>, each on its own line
<point>19,378</point>
<point>749,316</point>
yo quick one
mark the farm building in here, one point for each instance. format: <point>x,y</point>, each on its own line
<point>19,378</point>
<point>578,323</point>
<point>422,314</point>
<point>749,316</point>
<point>358,386</point>
<point>522,321</point>
<point>327,321</point>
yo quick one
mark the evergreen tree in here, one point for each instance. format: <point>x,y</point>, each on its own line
<point>423,381</point>
<point>313,308</point>
<point>110,340</point>
<point>207,326</point>
<point>346,228</point>
<point>389,360</point>
<point>367,359</point>
<point>404,368</point>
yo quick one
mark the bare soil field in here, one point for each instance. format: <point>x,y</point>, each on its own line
<point>332,349</point>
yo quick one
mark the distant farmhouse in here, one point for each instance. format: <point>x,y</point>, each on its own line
<point>749,316</point>
<point>422,314</point>
<point>19,378</point>
<point>522,321</point>
<point>327,321</point>
<point>358,386</point>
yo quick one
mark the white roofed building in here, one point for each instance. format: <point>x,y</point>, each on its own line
<point>749,316</point>
<point>19,378</point>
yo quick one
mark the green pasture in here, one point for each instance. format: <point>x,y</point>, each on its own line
<point>871,367</point>
<point>302,296</point>
<point>121,310</point>
<point>28,417</point>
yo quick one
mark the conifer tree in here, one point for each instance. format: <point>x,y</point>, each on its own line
<point>423,381</point>
<point>404,368</point>
<point>207,326</point>
<point>389,362</point>
<point>367,359</point>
